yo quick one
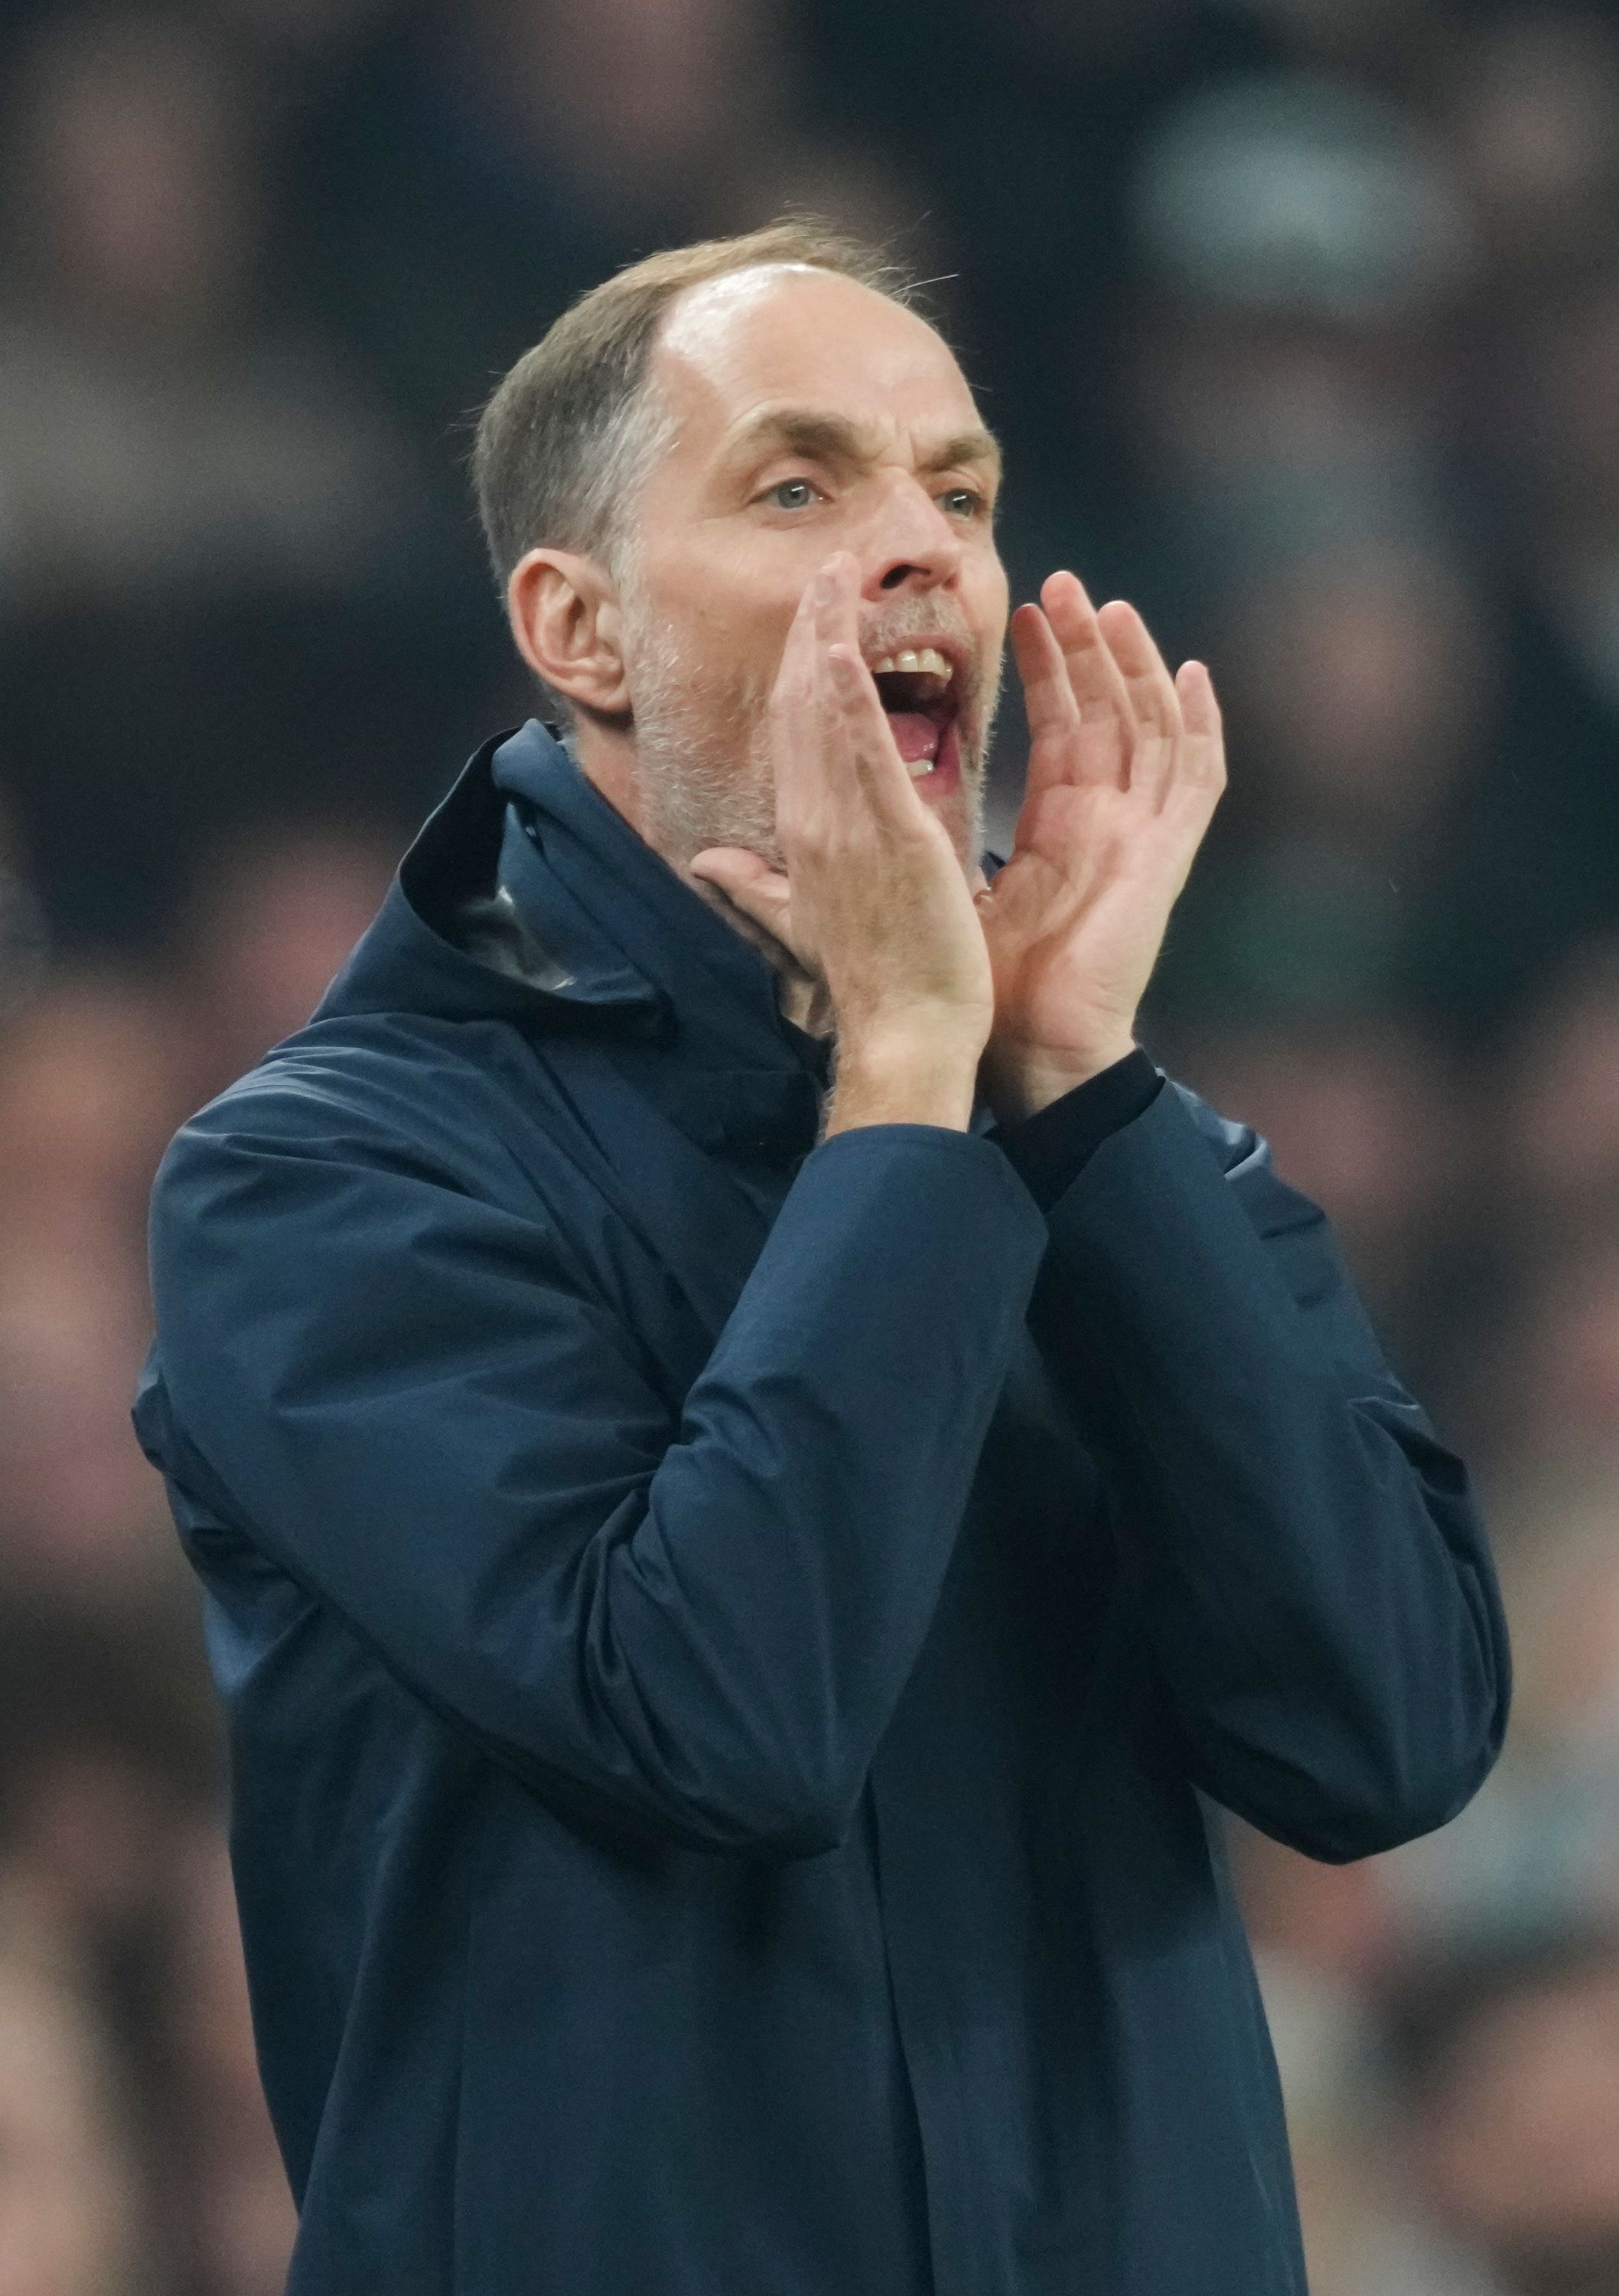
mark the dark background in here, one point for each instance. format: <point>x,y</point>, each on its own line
<point>1300,321</point>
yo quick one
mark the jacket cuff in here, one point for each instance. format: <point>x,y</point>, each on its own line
<point>1049,1150</point>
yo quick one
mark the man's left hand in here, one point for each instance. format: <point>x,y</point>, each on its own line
<point>1126,765</point>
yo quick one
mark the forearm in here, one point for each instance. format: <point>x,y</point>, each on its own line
<point>1307,1560</point>
<point>699,1627</point>
<point>825,1461</point>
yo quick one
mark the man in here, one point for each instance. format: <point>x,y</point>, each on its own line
<point>737,1599</point>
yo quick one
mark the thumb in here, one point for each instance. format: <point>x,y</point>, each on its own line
<point>750,884</point>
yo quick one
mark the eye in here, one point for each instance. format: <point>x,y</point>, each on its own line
<point>792,494</point>
<point>963,502</point>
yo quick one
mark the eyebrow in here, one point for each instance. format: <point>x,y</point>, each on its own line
<point>823,437</point>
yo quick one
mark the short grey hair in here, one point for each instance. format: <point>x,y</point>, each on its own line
<point>572,433</point>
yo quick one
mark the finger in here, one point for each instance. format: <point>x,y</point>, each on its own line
<point>1048,697</point>
<point>795,671</point>
<point>837,625</point>
<point>795,681</point>
<point>1064,746</point>
<point>1203,762</point>
<point>877,772</point>
<point>867,754</point>
<point>737,867</point>
<point>1143,668</point>
<point>796,703</point>
<point>749,883</point>
<point>1199,705</point>
<point>1159,730</point>
<point>1100,688</point>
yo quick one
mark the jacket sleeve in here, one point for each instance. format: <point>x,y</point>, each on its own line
<point>697,1622</point>
<point>1309,1566</point>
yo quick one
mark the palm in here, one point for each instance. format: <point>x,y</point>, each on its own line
<point>1061,959</point>
<point>1125,766</point>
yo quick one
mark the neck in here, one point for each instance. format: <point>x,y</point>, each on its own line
<point>606,760</point>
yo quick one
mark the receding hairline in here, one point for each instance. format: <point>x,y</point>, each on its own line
<point>749,281</point>
<point>560,442</point>
<point>803,426</point>
<point>710,305</point>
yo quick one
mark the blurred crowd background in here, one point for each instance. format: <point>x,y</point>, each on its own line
<point>1300,321</point>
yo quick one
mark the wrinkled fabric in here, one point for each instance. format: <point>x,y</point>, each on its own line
<point>735,1648</point>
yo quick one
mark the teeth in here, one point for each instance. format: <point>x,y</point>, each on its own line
<point>919,661</point>
<point>917,767</point>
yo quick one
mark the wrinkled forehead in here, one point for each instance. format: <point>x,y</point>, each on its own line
<point>790,334</point>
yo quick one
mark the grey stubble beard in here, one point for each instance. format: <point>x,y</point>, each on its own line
<point>696,790</point>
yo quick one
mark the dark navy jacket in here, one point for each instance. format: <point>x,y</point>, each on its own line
<point>732,1644</point>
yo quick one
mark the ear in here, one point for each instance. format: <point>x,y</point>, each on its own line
<point>565,617</point>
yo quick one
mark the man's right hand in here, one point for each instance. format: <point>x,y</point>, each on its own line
<point>874,901</point>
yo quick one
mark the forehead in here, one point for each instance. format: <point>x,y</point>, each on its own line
<point>790,335</point>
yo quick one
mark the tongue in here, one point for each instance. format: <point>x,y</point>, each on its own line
<point>915,735</point>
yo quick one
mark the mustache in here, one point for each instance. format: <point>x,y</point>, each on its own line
<point>920,617</point>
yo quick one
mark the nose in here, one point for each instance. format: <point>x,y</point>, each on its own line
<point>912,544</point>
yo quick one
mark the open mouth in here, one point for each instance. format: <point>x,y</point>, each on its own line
<point>920,690</point>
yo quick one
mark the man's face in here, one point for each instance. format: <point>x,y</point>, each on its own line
<point>809,416</point>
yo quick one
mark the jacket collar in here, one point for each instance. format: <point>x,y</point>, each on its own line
<point>433,947</point>
<point>525,897</point>
<point>722,991</point>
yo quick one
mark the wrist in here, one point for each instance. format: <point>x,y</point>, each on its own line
<point>909,1076</point>
<point>1019,1080</point>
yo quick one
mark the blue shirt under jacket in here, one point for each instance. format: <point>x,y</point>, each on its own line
<point>732,1644</point>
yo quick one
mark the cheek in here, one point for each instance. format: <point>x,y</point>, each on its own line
<point>989,602</point>
<point>730,622</point>
<point>733,591</point>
